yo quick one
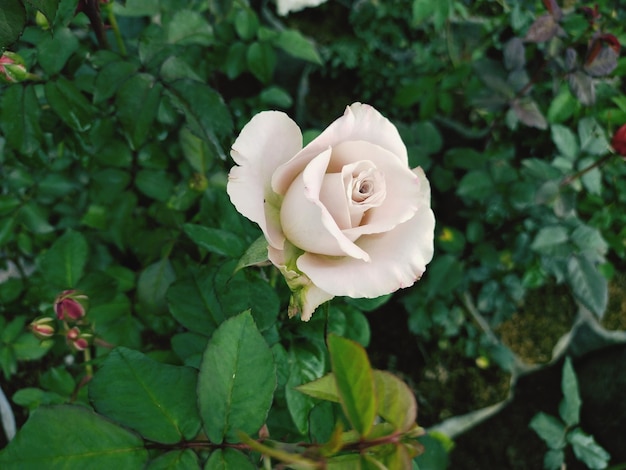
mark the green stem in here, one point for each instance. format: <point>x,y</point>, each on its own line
<point>116,29</point>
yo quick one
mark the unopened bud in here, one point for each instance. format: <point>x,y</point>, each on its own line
<point>43,327</point>
<point>618,142</point>
<point>76,340</point>
<point>42,21</point>
<point>70,305</point>
<point>12,68</point>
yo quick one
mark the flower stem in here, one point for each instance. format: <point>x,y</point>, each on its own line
<point>116,29</point>
<point>582,172</point>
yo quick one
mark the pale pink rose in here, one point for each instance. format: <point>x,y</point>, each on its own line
<point>284,7</point>
<point>343,216</point>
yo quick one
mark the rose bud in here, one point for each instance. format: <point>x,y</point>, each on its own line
<point>343,216</point>
<point>76,340</point>
<point>619,141</point>
<point>43,327</point>
<point>70,305</point>
<point>12,68</point>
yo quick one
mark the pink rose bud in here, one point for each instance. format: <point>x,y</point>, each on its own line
<point>43,327</point>
<point>70,305</point>
<point>619,141</point>
<point>76,340</point>
<point>12,68</point>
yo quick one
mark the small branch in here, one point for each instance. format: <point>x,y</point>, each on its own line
<point>580,173</point>
<point>91,8</point>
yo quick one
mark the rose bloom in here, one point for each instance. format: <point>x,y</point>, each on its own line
<point>343,216</point>
<point>285,6</point>
<point>619,141</point>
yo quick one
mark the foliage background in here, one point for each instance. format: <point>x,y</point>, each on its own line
<point>114,161</point>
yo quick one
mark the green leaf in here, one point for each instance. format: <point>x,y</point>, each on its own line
<point>215,240</point>
<point>587,450</point>
<point>196,151</point>
<point>550,238</point>
<point>550,429</point>
<point>246,24</point>
<point>67,436</point>
<point>476,185</point>
<point>396,402</point>
<point>237,380</point>
<point>12,22</point>
<point>175,460</point>
<point>206,113</point>
<point>588,285</point>
<point>156,400</point>
<point>553,460</point>
<point>261,60</point>
<point>296,45</point>
<point>254,255</point>
<point>189,27</point>
<point>35,218</point>
<point>47,7</point>
<point>110,78</point>
<point>28,348</point>
<point>190,301</point>
<point>55,50</point>
<point>20,118</point>
<point>69,104</point>
<point>189,347</point>
<point>155,184</point>
<point>355,382</point>
<point>324,388</point>
<point>228,459</point>
<point>63,264</point>
<point>138,101</point>
<point>153,284</point>
<point>565,141</point>
<point>570,406</point>
<point>592,137</point>
<point>307,364</point>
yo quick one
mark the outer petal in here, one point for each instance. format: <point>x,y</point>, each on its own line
<point>270,139</point>
<point>359,122</point>
<point>398,259</point>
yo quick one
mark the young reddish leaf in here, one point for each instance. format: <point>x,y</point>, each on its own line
<point>396,402</point>
<point>355,382</point>
<point>602,60</point>
<point>543,29</point>
<point>582,87</point>
<point>529,114</point>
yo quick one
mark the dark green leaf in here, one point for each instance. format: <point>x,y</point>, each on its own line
<point>47,7</point>
<point>189,347</point>
<point>20,118</point>
<point>175,460</point>
<point>228,459</point>
<point>592,137</point>
<point>565,141</point>
<point>54,51</point>
<point>153,284</point>
<point>110,78</point>
<point>190,301</point>
<point>215,240</point>
<point>156,400</point>
<point>296,45</point>
<point>355,382</point>
<point>476,185</point>
<point>261,60</point>
<point>237,380</point>
<point>66,436</point>
<point>12,21</point>
<point>155,184</point>
<point>63,264</point>
<point>69,104</point>
<point>138,102</point>
<point>189,27</point>
<point>254,255</point>
<point>246,23</point>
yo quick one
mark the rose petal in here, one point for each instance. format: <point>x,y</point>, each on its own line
<point>398,259</point>
<point>270,139</point>
<point>306,222</point>
<point>359,122</point>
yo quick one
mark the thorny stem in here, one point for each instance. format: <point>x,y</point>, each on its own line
<point>91,8</point>
<point>582,172</point>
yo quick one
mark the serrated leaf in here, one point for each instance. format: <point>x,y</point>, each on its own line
<point>587,450</point>
<point>20,118</point>
<point>529,113</point>
<point>569,409</point>
<point>55,50</point>
<point>189,27</point>
<point>237,380</point>
<point>190,301</point>
<point>255,254</point>
<point>175,460</point>
<point>12,22</point>
<point>588,285</point>
<point>550,429</point>
<point>43,442</point>
<point>396,402</point>
<point>324,388</point>
<point>156,400</point>
<point>592,137</point>
<point>69,104</point>
<point>582,87</point>
<point>138,101</point>
<point>550,238</point>
<point>543,29</point>
<point>565,141</point>
<point>110,78</point>
<point>215,240</point>
<point>63,264</point>
<point>355,382</point>
<point>603,63</point>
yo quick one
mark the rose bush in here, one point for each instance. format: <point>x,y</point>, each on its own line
<point>343,216</point>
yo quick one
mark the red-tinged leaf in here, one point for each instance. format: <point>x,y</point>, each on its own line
<point>355,382</point>
<point>396,402</point>
<point>603,63</point>
<point>582,87</point>
<point>529,114</point>
<point>543,29</point>
<point>554,9</point>
<point>514,54</point>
